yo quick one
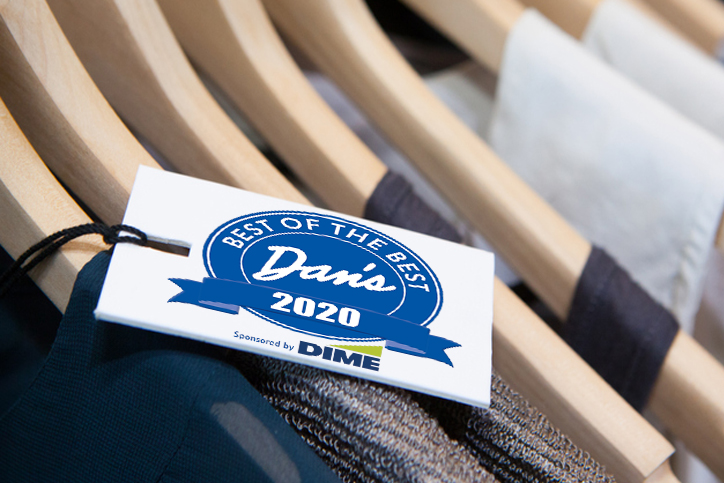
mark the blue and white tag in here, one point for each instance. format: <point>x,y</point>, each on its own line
<point>306,285</point>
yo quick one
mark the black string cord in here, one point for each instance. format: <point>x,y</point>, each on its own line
<point>45,247</point>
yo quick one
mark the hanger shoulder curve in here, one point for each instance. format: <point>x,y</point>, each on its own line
<point>129,50</point>
<point>702,21</point>
<point>235,44</point>
<point>481,27</point>
<point>32,206</point>
<point>570,15</point>
<point>62,113</point>
<point>688,397</point>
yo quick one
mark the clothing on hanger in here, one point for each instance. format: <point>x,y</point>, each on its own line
<point>114,403</point>
<point>512,439</point>
<point>395,201</point>
<point>398,163</point>
<point>325,407</point>
<point>25,335</point>
<point>627,171</point>
<point>658,60</point>
<point>634,389</point>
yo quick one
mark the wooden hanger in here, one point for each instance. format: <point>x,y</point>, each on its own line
<point>558,380</point>
<point>570,15</point>
<point>32,206</point>
<point>61,112</point>
<point>463,21</point>
<point>481,26</point>
<point>342,38</point>
<point>702,21</point>
<point>234,42</point>
<point>132,55</point>
<point>74,129</point>
<point>348,45</point>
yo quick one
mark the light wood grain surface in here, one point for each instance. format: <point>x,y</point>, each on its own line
<point>702,21</point>
<point>570,15</point>
<point>33,205</point>
<point>234,42</point>
<point>132,55</point>
<point>481,27</point>
<point>62,113</point>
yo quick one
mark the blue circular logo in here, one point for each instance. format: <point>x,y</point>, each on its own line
<point>328,258</point>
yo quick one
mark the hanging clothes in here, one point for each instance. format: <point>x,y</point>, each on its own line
<point>630,173</point>
<point>659,61</point>
<point>398,163</point>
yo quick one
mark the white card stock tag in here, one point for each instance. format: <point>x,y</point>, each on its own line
<point>305,285</point>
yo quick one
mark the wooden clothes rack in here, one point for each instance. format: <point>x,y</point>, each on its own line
<point>234,42</point>
<point>341,37</point>
<point>129,51</point>
<point>77,134</point>
<point>34,205</point>
<point>703,433</point>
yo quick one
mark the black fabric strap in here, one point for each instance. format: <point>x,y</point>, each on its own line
<point>395,203</point>
<point>618,328</point>
<point>45,247</point>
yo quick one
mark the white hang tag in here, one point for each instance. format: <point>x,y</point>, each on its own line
<point>305,285</point>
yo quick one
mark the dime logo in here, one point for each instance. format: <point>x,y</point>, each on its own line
<point>321,275</point>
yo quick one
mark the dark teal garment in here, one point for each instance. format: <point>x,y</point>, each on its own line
<point>28,323</point>
<point>116,404</point>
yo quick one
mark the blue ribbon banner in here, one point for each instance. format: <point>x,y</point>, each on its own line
<point>229,295</point>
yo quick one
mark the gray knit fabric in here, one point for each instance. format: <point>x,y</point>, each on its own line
<point>366,432</point>
<point>514,440</point>
<point>369,432</point>
<point>372,432</point>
